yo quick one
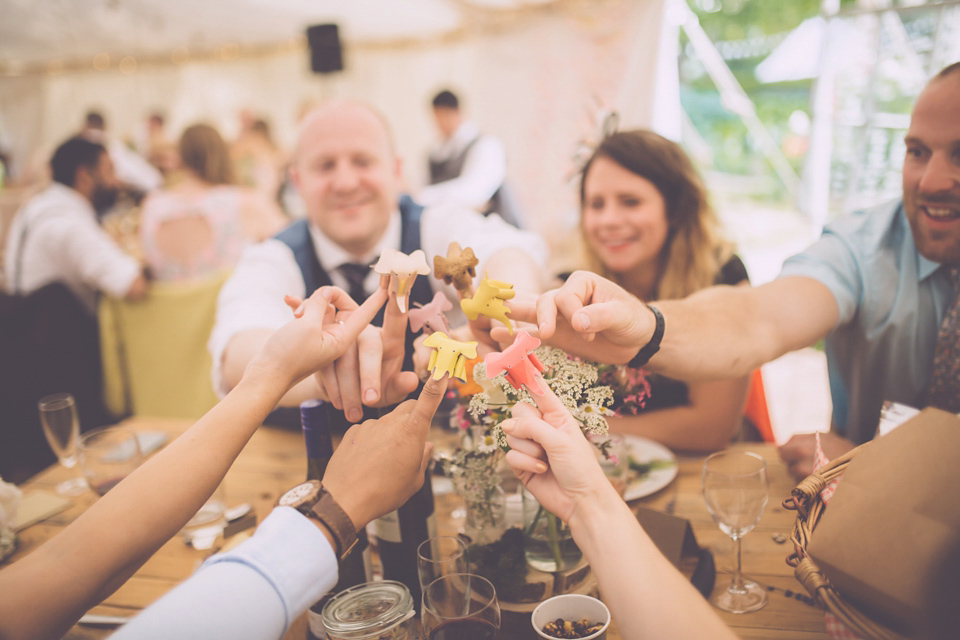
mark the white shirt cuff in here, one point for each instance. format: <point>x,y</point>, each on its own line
<point>292,554</point>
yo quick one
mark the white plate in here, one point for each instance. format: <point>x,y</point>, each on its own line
<point>643,450</point>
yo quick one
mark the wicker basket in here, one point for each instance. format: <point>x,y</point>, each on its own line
<point>806,501</point>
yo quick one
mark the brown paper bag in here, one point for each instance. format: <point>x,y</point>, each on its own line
<point>894,517</point>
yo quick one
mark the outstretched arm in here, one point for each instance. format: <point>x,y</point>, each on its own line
<point>717,332</point>
<point>255,590</point>
<point>47,592</point>
<point>647,596</point>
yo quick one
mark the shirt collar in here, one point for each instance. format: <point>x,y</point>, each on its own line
<point>331,255</point>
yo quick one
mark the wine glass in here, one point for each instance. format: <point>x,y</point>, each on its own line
<point>462,606</point>
<point>439,557</point>
<point>61,427</point>
<point>107,456</point>
<point>735,490</point>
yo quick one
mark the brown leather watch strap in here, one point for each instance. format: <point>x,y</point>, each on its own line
<point>336,520</point>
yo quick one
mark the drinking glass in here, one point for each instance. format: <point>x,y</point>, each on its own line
<point>462,606</point>
<point>735,490</point>
<point>440,556</point>
<point>107,456</point>
<point>61,427</point>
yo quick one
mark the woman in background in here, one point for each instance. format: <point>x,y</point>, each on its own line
<point>200,225</point>
<point>647,225</point>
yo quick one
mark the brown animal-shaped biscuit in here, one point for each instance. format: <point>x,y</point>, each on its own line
<point>458,268</point>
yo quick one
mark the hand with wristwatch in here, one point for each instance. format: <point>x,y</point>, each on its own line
<point>378,465</point>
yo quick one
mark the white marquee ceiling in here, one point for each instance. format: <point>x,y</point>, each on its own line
<point>40,31</point>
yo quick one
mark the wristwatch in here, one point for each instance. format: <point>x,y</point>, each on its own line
<point>312,500</point>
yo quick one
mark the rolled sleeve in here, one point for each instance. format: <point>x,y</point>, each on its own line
<point>101,264</point>
<point>252,298</point>
<point>832,262</point>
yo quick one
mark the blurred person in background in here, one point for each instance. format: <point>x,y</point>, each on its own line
<point>257,160</point>
<point>156,147</point>
<point>467,168</point>
<point>646,223</point>
<point>132,170</point>
<point>202,223</point>
<point>56,236</point>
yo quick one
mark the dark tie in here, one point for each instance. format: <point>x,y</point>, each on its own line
<point>355,273</point>
<point>945,382</point>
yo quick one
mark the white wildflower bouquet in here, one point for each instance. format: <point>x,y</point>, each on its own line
<point>576,382</point>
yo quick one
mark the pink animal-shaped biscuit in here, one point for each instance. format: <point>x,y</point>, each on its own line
<point>449,355</point>
<point>429,317</point>
<point>489,301</point>
<point>521,365</point>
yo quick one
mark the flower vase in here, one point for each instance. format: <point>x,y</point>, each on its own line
<point>486,519</point>
<point>547,541</point>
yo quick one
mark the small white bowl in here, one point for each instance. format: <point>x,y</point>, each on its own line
<point>571,606</point>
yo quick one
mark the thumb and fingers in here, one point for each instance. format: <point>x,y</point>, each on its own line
<point>426,404</point>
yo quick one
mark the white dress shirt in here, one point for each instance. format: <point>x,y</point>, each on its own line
<point>252,298</point>
<point>484,170</point>
<point>64,242</point>
<point>253,592</point>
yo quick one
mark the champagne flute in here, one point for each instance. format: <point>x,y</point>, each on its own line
<point>61,427</point>
<point>735,490</point>
<point>460,606</point>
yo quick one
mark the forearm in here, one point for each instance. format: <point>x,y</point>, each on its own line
<point>730,331</point>
<point>240,351</point>
<point>647,596</point>
<point>51,588</point>
<point>706,424</point>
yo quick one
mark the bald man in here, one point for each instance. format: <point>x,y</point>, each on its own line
<point>349,176</point>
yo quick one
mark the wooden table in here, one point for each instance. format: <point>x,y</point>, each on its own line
<point>274,460</point>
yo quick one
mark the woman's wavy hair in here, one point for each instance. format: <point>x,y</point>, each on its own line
<point>204,152</point>
<point>694,250</point>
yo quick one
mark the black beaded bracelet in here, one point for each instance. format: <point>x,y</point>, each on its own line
<point>643,356</point>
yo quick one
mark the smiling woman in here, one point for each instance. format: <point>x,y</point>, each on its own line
<point>647,225</point>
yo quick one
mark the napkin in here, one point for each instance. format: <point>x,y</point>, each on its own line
<point>9,503</point>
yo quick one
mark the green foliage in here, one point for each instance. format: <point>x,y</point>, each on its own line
<point>767,21</point>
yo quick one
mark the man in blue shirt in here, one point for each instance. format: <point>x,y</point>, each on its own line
<point>877,286</point>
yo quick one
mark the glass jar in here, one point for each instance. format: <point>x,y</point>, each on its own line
<point>371,611</point>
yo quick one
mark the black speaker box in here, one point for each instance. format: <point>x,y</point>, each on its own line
<point>326,54</point>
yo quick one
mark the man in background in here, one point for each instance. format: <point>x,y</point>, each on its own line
<point>467,168</point>
<point>56,237</point>
<point>349,176</point>
<point>132,170</point>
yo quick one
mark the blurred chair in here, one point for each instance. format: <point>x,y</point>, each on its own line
<point>48,344</point>
<point>155,358</point>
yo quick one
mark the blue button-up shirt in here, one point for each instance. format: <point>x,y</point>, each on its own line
<point>891,301</point>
